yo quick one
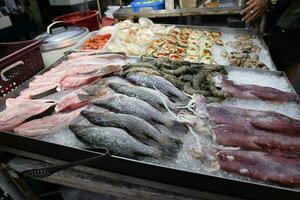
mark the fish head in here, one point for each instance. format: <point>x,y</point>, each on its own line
<point>78,129</point>
<point>115,85</point>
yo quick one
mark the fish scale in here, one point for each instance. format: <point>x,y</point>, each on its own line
<point>138,127</point>
<point>153,97</point>
<point>157,82</point>
<point>130,105</point>
<point>116,140</point>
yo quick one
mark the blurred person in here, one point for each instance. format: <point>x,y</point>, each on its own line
<point>284,24</point>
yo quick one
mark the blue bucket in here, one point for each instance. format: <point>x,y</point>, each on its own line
<point>140,5</point>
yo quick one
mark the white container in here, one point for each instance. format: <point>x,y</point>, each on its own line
<point>5,22</point>
<point>188,3</point>
<point>169,4</point>
<point>57,41</point>
<point>105,30</point>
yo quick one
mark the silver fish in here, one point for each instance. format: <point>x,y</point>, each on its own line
<point>157,82</point>
<point>153,97</point>
<point>116,140</point>
<point>130,105</point>
<point>98,85</point>
<point>138,127</point>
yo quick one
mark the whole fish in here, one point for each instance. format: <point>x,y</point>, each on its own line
<point>130,105</point>
<point>153,97</point>
<point>97,85</point>
<point>157,82</point>
<point>116,140</point>
<point>136,126</point>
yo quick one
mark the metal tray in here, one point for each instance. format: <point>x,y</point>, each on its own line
<point>145,170</point>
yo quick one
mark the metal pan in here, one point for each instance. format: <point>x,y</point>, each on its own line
<point>200,181</point>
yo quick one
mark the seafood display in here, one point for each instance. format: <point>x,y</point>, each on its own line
<point>194,44</point>
<point>191,78</point>
<point>186,44</point>
<point>163,111</point>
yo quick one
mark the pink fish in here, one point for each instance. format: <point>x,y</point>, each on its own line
<point>262,166</point>
<point>74,81</point>
<point>71,102</point>
<point>48,124</point>
<point>13,116</point>
<point>255,92</point>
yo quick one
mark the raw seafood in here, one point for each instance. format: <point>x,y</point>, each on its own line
<point>16,102</point>
<point>83,79</point>
<point>258,92</point>
<point>38,92</point>
<point>136,126</point>
<point>48,124</point>
<point>116,140</point>
<point>96,42</point>
<point>129,105</point>
<point>12,117</point>
<point>261,166</point>
<point>157,82</point>
<point>255,139</point>
<point>189,77</point>
<point>153,97</point>
<point>71,101</point>
<point>265,120</point>
<point>74,72</point>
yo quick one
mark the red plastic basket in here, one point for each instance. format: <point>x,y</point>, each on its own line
<point>19,61</point>
<point>90,20</point>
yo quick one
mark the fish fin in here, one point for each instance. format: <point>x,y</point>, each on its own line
<point>47,112</point>
<point>76,127</point>
<point>109,69</point>
<point>45,93</point>
<point>100,94</point>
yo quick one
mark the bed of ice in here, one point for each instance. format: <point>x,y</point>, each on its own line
<point>264,55</point>
<point>184,160</point>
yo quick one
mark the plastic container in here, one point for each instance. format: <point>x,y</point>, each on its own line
<point>142,5</point>
<point>188,3</point>
<point>19,61</point>
<point>90,20</point>
<point>105,30</point>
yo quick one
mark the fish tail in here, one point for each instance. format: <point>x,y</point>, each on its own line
<point>159,153</point>
<point>172,145</point>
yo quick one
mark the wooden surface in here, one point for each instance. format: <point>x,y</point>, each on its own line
<point>104,182</point>
<point>124,13</point>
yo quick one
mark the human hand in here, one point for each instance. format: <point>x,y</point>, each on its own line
<point>254,9</point>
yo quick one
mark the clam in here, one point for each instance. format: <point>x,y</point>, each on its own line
<point>145,22</point>
<point>134,49</point>
<point>123,35</point>
<point>144,36</point>
<point>124,24</point>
